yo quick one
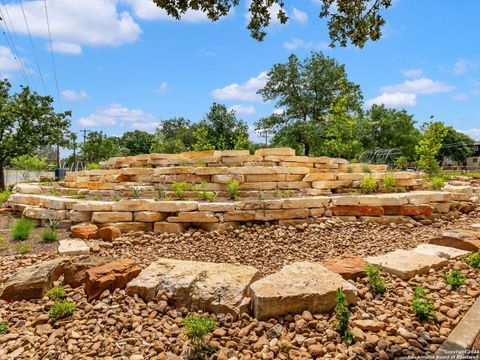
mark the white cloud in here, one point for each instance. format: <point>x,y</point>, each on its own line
<point>8,64</point>
<point>147,10</point>
<point>119,115</point>
<point>243,92</point>
<point>396,99</point>
<point>461,97</point>
<point>75,23</point>
<point>278,111</point>
<point>473,133</point>
<point>299,43</point>
<point>299,16</point>
<point>413,73</point>
<point>421,85</point>
<point>463,66</point>
<point>242,109</point>
<point>73,95</point>
<point>162,89</point>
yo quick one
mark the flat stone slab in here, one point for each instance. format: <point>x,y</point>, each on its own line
<point>297,287</point>
<point>445,252</point>
<point>407,263</point>
<point>214,287</point>
<point>73,247</point>
<point>348,266</point>
<point>457,239</point>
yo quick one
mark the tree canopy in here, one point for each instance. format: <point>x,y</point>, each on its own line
<point>456,146</point>
<point>354,21</point>
<point>28,121</point>
<point>99,147</point>
<point>137,142</point>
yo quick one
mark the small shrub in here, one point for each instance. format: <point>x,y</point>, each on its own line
<point>56,293</point>
<point>116,197</point>
<point>349,169</point>
<point>197,327</point>
<point>374,279</point>
<point>53,224</point>
<point>261,195</point>
<point>23,249</point>
<point>342,315</point>
<point>136,192</point>
<point>368,184</point>
<point>3,244</point>
<point>62,309</point>
<point>366,169</point>
<point>209,195</point>
<point>423,307</point>
<point>455,278</point>
<point>473,260</point>
<point>97,197</point>
<point>4,195</point>
<point>180,188</point>
<point>389,183</point>
<point>78,196</point>
<point>232,187</point>
<point>49,236</point>
<point>437,182</point>
<point>94,166</point>
<point>22,229</point>
<point>3,327</point>
<point>161,193</point>
<point>402,162</point>
<point>401,189</point>
<point>54,192</point>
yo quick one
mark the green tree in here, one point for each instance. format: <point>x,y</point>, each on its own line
<point>28,121</point>
<point>29,163</point>
<point>456,146</point>
<point>225,131</point>
<point>174,135</point>
<point>356,21</point>
<point>306,91</point>
<point>201,139</point>
<point>394,129</point>
<point>99,147</point>
<point>137,142</point>
<point>429,146</point>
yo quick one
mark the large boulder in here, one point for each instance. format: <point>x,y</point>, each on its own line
<point>110,276</point>
<point>457,239</point>
<point>298,287</point>
<point>216,288</point>
<point>83,231</point>
<point>34,281</point>
<point>107,233</point>
<point>75,272</point>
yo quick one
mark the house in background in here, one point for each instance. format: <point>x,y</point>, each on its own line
<point>473,162</point>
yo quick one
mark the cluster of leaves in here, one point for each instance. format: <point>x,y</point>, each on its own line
<point>4,195</point>
<point>136,192</point>
<point>368,184</point>
<point>342,315</point>
<point>180,188</point>
<point>423,307</point>
<point>62,309</point>
<point>49,236</point>
<point>233,186</point>
<point>197,327</point>
<point>201,191</point>
<point>3,327</point>
<point>473,260</point>
<point>29,163</point>
<point>454,278</point>
<point>429,145</point>
<point>3,244</point>
<point>56,293</point>
<point>389,183</point>
<point>22,229</point>
<point>93,166</point>
<point>374,279</point>
<point>437,182</point>
<point>23,249</point>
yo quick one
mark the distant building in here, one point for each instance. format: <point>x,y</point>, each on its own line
<point>473,162</point>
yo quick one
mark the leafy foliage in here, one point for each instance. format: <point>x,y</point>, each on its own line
<point>201,192</point>
<point>401,162</point>
<point>456,146</point>
<point>3,244</point>
<point>136,192</point>
<point>232,187</point>
<point>342,315</point>
<point>389,183</point>
<point>49,236</point>
<point>56,293</point>
<point>4,195</point>
<point>23,249</point>
<point>22,229</point>
<point>137,142</point>
<point>197,327</point>
<point>180,188</point>
<point>202,141</point>
<point>437,182</point>
<point>423,307</point>
<point>93,166</point>
<point>29,163</point>
<point>62,309</point>
<point>99,147</point>
<point>368,184</point>
<point>429,146</point>
<point>473,260</point>
<point>454,278</point>
<point>374,279</point>
<point>3,327</point>
<point>52,224</point>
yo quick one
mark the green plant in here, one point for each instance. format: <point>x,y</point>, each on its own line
<point>349,169</point>
<point>180,188</point>
<point>437,182</point>
<point>28,164</point>
<point>49,236</point>
<point>423,307</point>
<point>56,293</point>
<point>389,183</point>
<point>78,196</point>
<point>52,224</point>
<point>261,195</point>
<point>23,249</point>
<point>22,229</point>
<point>97,197</point>
<point>368,184</point>
<point>374,279</point>
<point>3,244</point>
<point>62,309</point>
<point>342,315</point>
<point>161,193</point>
<point>366,169</point>
<point>429,146</point>
<point>197,327</point>
<point>3,327</point>
<point>4,195</point>
<point>401,189</point>
<point>455,278</point>
<point>136,192</point>
<point>54,192</point>
<point>401,162</point>
<point>232,187</point>
<point>473,260</point>
<point>94,166</point>
<point>116,197</point>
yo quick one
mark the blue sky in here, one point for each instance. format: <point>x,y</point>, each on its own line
<point>124,64</point>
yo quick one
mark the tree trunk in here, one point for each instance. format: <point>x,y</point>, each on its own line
<point>307,149</point>
<point>2,178</point>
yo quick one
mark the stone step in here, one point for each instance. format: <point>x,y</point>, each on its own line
<point>445,252</point>
<point>73,247</point>
<point>298,287</point>
<point>467,241</point>
<point>406,264</point>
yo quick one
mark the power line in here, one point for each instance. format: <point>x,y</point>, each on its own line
<point>53,58</point>
<point>33,48</point>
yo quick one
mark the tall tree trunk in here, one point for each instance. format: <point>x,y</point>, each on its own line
<point>307,149</point>
<point>2,178</point>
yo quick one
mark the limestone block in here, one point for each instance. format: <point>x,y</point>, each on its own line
<point>239,215</point>
<point>460,189</point>
<point>350,176</point>
<point>189,178</point>
<point>173,206</point>
<point>330,166</point>
<point>25,199</point>
<point>293,185</point>
<point>93,206</point>
<point>357,210</point>
<point>258,186</point>
<point>443,208</point>
<point>176,170</point>
<point>132,205</point>
<point>280,158</point>
<point>259,204</point>
<point>298,170</point>
<point>294,222</point>
<point>296,164</point>
<point>73,247</point>
<point>457,239</point>
<point>275,151</point>
<point>215,170</point>
<point>426,197</point>
<point>406,264</point>
<point>111,216</point>
<point>298,287</point>
<point>125,227</point>
<point>220,227</point>
<point>230,153</point>
<point>266,215</point>
<point>440,251</point>
<point>216,206</point>
<point>410,210</point>
<point>345,200</point>
<point>295,177</point>
<point>317,212</point>
<point>194,216</point>
<point>383,199</point>
<point>38,213</point>
<point>170,228</point>
<point>149,216</point>
<point>252,170</point>
<point>348,266</point>
<point>80,216</point>
<point>201,154</point>
<point>320,177</point>
<point>27,189</point>
<point>307,202</point>
<point>241,159</point>
<point>335,184</point>
<point>265,177</point>
<point>225,179</point>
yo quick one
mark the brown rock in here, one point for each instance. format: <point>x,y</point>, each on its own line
<point>349,266</point>
<point>83,231</point>
<point>456,239</point>
<point>410,210</point>
<point>108,233</point>
<point>370,325</point>
<point>110,276</point>
<point>357,210</point>
<point>316,350</point>
<point>75,272</point>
